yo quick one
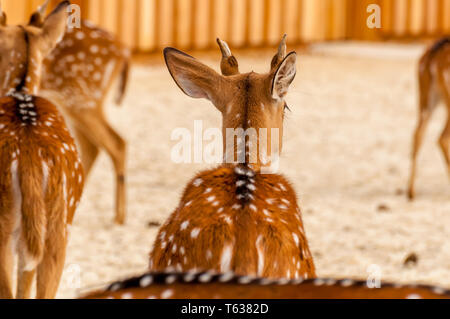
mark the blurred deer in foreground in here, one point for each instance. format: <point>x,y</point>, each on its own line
<point>41,176</point>
<point>229,286</point>
<point>77,76</point>
<point>434,86</point>
<point>235,218</point>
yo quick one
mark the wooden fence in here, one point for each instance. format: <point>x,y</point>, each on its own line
<point>148,25</point>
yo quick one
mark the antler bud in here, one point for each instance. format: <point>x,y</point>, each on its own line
<point>279,57</point>
<point>229,65</point>
<point>43,8</point>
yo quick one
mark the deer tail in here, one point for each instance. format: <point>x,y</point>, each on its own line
<point>123,82</point>
<point>34,216</point>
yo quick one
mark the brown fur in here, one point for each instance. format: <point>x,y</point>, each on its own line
<point>235,218</point>
<point>221,225</point>
<point>434,85</point>
<point>228,286</point>
<point>81,94</point>
<point>41,176</point>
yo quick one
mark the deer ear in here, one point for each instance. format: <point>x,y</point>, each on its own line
<point>3,19</point>
<point>284,76</point>
<point>37,18</point>
<point>54,26</point>
<point>194,78</point>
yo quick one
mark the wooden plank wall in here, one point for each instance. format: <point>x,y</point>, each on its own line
<point>149,25</point>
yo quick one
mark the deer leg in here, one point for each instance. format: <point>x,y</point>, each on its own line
<point>116,148</point>
<point>6,262</point>
<point>418,139</point>
<point>88,151</point>
<point>24,280</point>
<point>51,267</point>
<point>50,270</point>
<point>6,250</point>
<point>444,143</point>
<point>104,136</point>
<point>444,140</point>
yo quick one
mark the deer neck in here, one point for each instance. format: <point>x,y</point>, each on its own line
<point>246,139</point>
<point>26,77</point>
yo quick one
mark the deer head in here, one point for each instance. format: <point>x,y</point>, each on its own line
<point>23,48</point>
<point>252,103</point>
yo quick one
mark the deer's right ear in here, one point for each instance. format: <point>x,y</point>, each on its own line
<point>194,78</point>
<point>2,17</point>
<point>54,26</point>
<point>37,18</point>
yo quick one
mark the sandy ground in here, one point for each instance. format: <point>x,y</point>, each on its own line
<point>347,146</point>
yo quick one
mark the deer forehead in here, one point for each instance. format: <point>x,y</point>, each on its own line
<point>251,97</point>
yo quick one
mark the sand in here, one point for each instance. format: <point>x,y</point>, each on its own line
<point>347,146</point>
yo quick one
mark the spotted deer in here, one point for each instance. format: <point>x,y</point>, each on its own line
<point>41,175</point>
<point>235,217</point>
<point>434,86</point>
<point>78,76</point>
<point>209,285</point>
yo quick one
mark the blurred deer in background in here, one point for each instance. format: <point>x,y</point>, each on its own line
<point>229,286</point>
<point>434,86</point>
<point>77,76</point>
<point>41,176</point>
<point>235,218</point>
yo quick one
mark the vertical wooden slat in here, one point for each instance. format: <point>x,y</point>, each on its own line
<point>110,11</point>
<point>148,25</point>
<point>184,24</point>
<point>289,20</point>
<point>299,25</point>
<point>212,24</point>
<point>147,41</point>
<point>417,12</point>
<point>446,18</point>
<point>274,23</point>
<point>387,18</point>
<point>166,23</point>
<point>339,19</point>
<point>256,25</point>
<point>400,17</point>
<point>313,27</point>
<point>15,11</point>
<point>221,19</point>
<point>201,24</point>
<point>432,12</point>
<point>238,23</point>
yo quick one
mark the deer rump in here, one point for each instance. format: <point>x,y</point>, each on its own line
<point>220,226</point>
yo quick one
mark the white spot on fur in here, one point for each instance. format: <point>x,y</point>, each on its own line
<point>296,239</point>
<point>197,182</point>
<point>184,225</point>
<point>260,250</point>
<point>225,259</point>
<point>195,232</point>
<point>167,294</point>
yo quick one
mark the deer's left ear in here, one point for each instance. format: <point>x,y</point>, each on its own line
<point>3,19</point>
<point>284,76</point>
<point>54,25</point>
